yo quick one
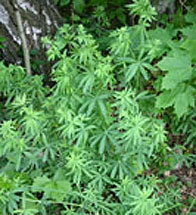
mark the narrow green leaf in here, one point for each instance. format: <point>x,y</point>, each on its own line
<point>102,145</point>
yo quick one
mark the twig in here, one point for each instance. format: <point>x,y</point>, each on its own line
<point>182,3</point>
<point>23,40</point>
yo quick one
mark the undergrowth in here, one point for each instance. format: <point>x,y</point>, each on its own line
<point>102,137</point>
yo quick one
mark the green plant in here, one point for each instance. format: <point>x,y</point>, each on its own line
<point>178,85</point>
<point>87,143</point>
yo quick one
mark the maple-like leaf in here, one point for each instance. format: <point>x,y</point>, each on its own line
<point>165,99</point>
<point>183,101</point>
<point>190,45</point>
<point>54,189</point>
<point>181,97</point>
<point>179,70</point>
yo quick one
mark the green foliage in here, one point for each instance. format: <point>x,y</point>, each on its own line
<point>96,139</point>
<point>143,9</point>
<point>178,85</point>
<point>2,39</point>
<point>53,189</point>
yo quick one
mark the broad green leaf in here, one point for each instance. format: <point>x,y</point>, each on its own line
<point>174,63</point>
<point>39,183</point>
<point>165,99</point>
<point>181,104</point>
<point>183,101</point>
<point>190,46</point>
<point>182,97</point>
<point>164,35</point>
<point>56,190</point>
<point>179,70</point>
<point>191,17</point>
<point>189,32</point>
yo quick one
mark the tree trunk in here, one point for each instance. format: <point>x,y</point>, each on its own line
<point>163,6</point>
<point>39,18</point>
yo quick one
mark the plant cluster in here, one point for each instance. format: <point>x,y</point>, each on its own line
<point>96,139</point>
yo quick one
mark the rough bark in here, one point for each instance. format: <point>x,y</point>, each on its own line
<point>39,17</point>
<point>163,6</point>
